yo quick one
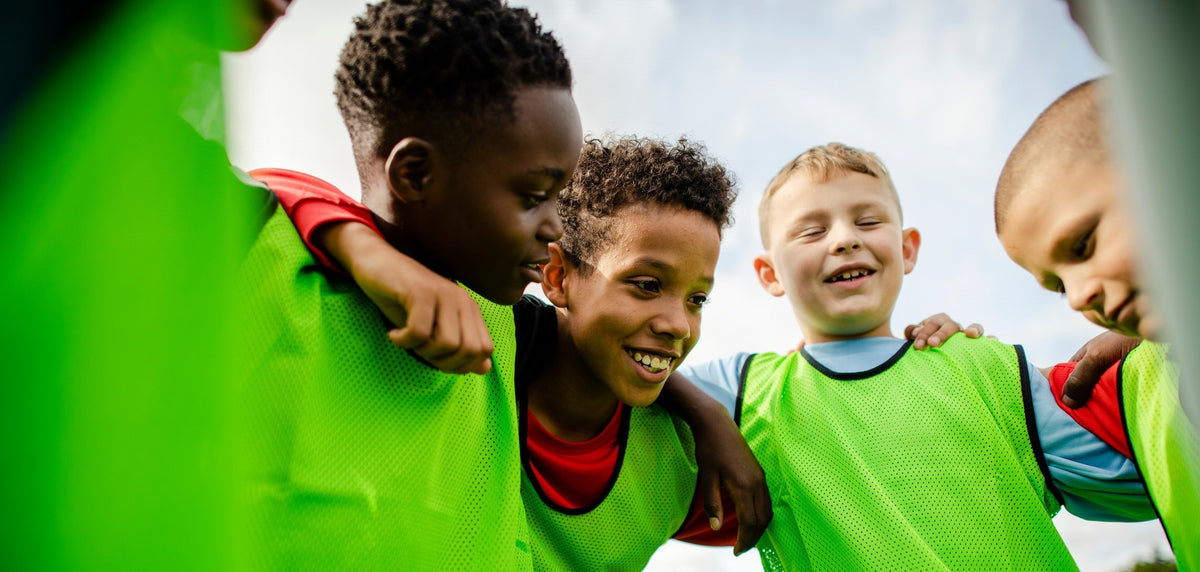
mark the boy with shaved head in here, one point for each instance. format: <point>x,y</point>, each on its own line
<point>1060,215</point>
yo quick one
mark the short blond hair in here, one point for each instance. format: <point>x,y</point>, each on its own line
<point>821,164</point>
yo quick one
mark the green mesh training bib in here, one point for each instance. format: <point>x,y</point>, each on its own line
<point>923,463</point>
<point>362,457</point>
<point>647,504</point>
<point>1164,446</point>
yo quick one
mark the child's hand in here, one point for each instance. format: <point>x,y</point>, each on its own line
<point>725,460</point>
<point>934,330</point>
<point>434,317</point>
<point>1095,357</point>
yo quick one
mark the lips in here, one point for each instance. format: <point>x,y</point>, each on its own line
<point>533,270</point>
<point>1123,313</point>
<point>848,273</point>
<point>653,361</point>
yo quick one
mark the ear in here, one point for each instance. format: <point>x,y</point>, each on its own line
<point>554,276</point>
<point>910,243</point>
<point>410,167</point>
<point>765,269</point>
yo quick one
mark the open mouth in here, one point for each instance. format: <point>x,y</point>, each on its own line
<point>849,275</point>
<point>651,362</point>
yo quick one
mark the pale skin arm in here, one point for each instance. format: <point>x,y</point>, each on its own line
<point>433,316</point>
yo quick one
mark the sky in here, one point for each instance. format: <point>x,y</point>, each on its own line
<point>940,89</point>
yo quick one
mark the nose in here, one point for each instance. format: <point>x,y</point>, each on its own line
<point>1084,294</point>
<point>550,227</point>
<point>844,241</point>
<point>673,322</point>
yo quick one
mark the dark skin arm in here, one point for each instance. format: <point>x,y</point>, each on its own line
<point>724,460</point>
<point>433,316</point>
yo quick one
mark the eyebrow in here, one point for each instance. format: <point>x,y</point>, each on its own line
<point>660,265</point>
<point>548,172</point>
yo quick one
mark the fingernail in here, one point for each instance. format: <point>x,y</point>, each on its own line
<point>935,341</point>
<point>1070,402</point>
<point>714,523</point>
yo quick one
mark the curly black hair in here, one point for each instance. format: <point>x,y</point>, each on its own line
<point>433,68</point>
<point>626,171</point>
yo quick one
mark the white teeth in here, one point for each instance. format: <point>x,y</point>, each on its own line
<point>851,274</point>
<point>653,363</point>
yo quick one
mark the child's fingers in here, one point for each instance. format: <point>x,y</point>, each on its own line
<point>417,330</point>
<point>476,343</point>
<point>943,333</point>
<point>974,330</point>
<point>749,519</point>
<point>710,484</point>
<point>750,532</point>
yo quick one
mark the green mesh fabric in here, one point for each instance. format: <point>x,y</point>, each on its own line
<point>646,506</point>
<point>363,458</point>
<point>926,465</point>
<point>1164,446</point>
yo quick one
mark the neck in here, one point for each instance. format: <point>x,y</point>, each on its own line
<point>567,398</point>
<point>813,335</point>
<point>394,226</point>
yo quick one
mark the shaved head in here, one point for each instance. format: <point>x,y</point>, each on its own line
<point>1068,134</point>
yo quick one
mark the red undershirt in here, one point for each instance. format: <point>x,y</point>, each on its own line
<point>1102,414</point>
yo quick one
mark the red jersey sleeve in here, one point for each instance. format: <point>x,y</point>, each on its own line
<point>696,530</point>
<point>312,203</point>
<point>1102,414</point>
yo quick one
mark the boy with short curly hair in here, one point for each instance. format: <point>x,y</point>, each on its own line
<point>364,457</point>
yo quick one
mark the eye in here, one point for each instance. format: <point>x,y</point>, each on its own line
<point>699,299</point>
<point>872,221</point>
<point>532,200</point>
<point>648,285</point>
<point>1082,247</point>
<point>811,232</point>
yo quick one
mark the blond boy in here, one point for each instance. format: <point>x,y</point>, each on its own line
<point>878,456</point>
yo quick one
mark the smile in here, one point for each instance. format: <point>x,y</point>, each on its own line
<point>654,363</point>
<point>849,275</point>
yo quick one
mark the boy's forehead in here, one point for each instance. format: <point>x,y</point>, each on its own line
<point>802,194</point>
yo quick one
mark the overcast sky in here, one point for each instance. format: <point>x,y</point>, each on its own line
<point>940,89</point>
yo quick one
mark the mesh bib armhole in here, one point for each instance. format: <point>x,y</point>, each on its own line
<point>1133,449</point>
<point>737,411</point>
<point>1031,424</point>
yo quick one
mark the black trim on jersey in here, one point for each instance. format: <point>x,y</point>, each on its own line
<point>622,446</point>
<point>536,324</point>
<point>1133,450</point>
<point>537,336</point>
<point>1035,440</point>
<point>742,377</point>
<point>851,376</point>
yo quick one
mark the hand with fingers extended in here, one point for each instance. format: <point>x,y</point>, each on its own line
<point>932,331</point>
<point>1095,357</point>
<point>433,316</point>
